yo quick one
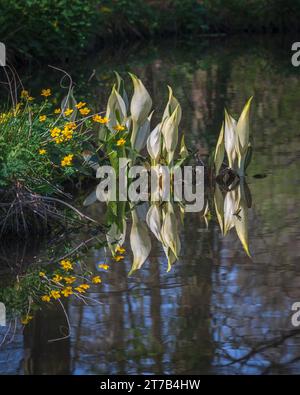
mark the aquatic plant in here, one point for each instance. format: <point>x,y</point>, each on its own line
<point>232,211</point>
<point>234,140</point>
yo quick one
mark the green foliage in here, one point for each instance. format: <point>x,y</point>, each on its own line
<point>47,28</point>
<point>56,29</point>
<point>31,155</point>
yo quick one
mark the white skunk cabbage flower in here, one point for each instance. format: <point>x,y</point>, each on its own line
<point>140,242</point>
<point>171,106</point>
<point>183,153</point>
<point>142,135</point>
<point>242,132</point>
<point>141,102</point>
<point>230,139</point>
<point>140,107</point>
<point>220,150</point>
<point>154,143</point>
<point>170,133</point>
<point>116,110</point>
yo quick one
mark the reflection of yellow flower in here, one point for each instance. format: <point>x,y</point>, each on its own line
<point>70,280</point>
<point>25,320</point>
<point>121,142</point>
<point>57,278</point>
<point>80,105</point>
<point>57,111</point>
<point>67,160</point>
<point>82,288</point>
<point>68,112</point>
<point>46,298</point>
<point>67,291</point>
<point>120,250</point>
<point>55,294</point>
<point>103,266</point>
<point>118,258</point>
<point>42,118</point>
<point>42,151</point>
<point>84,111</point>
<point>46,92</point>
<point>96,280</point>
<point>66,265</point>
<point>42,274</point>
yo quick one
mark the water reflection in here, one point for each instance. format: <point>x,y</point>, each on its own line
<point>217,310</point>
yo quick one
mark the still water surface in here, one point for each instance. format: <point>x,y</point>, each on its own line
<point>217,311</point>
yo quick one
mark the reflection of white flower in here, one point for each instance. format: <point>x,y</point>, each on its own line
<point>169,231</point>
<point>140,242</point>
<point>154,220</point>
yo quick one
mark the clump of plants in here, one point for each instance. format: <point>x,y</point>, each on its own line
<point>42,146</point>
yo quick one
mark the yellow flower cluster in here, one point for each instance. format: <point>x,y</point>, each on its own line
<point>4,117</point>
<point>62,135</point>
<point>70,280</point>
<point>25,320</point>
<point>25,95</point>
<point>119,128</point>
<point>42,118</point>
<point>96,280</point>
<point>67,160</point>
<point>66,265</point>
<point>99,119</point>
<point>121,142</point>
<point>46,92</point>
<point>119,250</point>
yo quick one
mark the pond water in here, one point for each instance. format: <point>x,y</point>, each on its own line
<point>217,311</point>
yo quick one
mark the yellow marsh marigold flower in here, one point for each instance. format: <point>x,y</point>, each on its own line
<point>80,105</point>
<point>66,265</point>
<point>67,291</point>
<point>84,111</point>
<point>55,294</point>
<point>46,92</point>
<point>25,320</point>
<point>30,98</point>
<point>99,119</point>
<point>42,118</point>
<point>46,298</point>
<point>118,258</point>
<point>70,280</point>
<point>121,142</point>
<point>103,266</point>
<point>57,111</point>
<point>55,132</point>
<point>70,125</point>
<point>42,152</point>
<point>42,274</point>
<point>68,112</point>
<point>119,128</point>
<point>120,250</point>
<point>24,94</point>
<point>67,160</point>
<point>96,280</point>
